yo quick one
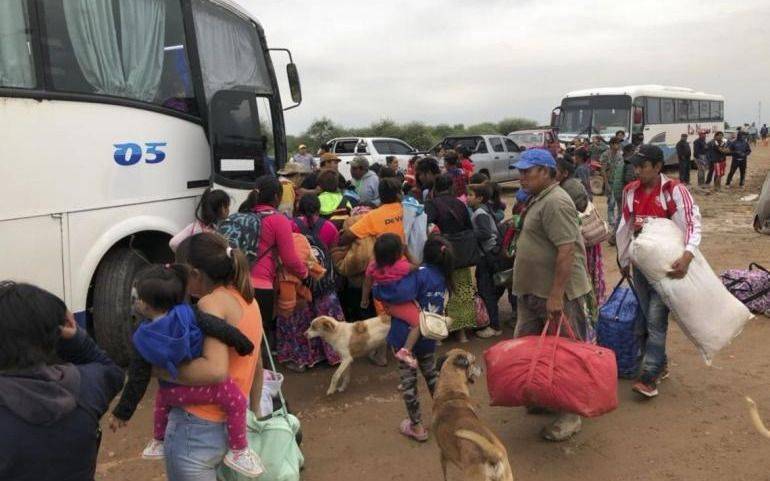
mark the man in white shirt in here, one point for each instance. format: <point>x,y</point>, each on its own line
<point>303,157</point>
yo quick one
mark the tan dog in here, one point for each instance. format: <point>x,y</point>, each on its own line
<point>350,340</point>
<point>464,440</point>
<point>754,413</point>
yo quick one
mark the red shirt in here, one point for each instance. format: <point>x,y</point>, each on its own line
<point>467,166</point>
<point>647,204</point>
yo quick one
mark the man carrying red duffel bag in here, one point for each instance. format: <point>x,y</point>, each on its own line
<point>565,374</point>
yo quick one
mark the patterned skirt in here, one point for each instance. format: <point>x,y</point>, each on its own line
<point>292,344</point>
<point>461,307</point>
<point>596,272</point>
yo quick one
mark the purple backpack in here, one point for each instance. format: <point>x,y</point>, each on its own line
<point>751,287</point>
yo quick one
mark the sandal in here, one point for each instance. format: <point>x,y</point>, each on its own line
<point>294,367</point>
<point>407,358</point>
<point>408,430</point>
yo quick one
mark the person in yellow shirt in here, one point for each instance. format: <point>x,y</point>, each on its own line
<point>387,218</point>
<point>291,177</point>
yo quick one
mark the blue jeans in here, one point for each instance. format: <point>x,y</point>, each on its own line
<point>654,327</point>
<point>193,447</point>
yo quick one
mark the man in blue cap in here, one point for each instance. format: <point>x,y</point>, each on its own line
<point>549,272</point>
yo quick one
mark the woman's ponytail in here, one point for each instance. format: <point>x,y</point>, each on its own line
<point>223,265</point>
<point>242,274</point>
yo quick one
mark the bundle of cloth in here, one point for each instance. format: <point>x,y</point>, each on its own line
<point>292,291</point>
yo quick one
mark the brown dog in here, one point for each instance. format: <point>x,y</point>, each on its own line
<point>350,340</point>
<point>464,441</point>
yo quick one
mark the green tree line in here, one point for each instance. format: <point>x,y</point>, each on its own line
<point>417,134</point>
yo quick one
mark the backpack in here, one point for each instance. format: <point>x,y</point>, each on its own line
<point>751,287</point>
<point>327,283</point>
<point>415,228</point>
<point>242,231</point>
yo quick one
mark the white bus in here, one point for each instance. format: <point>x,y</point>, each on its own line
<point>658,112</point>
<point>114,116</point>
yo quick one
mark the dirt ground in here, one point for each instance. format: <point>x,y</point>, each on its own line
<point>698,428</point>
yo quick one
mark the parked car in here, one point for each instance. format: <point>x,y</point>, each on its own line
<point>533,139</point>
<point>374,149</point>
<point>493,155</point>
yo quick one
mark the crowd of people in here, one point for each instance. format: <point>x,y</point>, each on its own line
<point>392,241</point>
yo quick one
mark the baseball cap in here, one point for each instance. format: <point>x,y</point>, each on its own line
<point>535,157</point>
<point>359,162</point>
<point>648,152</point>
<point>302,146</point>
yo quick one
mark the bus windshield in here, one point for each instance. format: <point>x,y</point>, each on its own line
<point>602,115</point>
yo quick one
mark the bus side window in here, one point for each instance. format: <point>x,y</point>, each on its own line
<point>716,110</point>
<point>705,110</point>
<point>693,110</point>
<point>17,68</point>
<point>652,110</point>
<point>667,111</point>
<point>125,49</point>
<point>682,110</point>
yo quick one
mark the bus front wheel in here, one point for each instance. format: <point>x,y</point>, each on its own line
<point>113,320</point>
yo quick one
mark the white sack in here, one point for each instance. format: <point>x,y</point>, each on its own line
<point>705,310</point>
<point>271,384</point>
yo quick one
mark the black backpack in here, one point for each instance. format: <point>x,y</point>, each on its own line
<point>327,283</point>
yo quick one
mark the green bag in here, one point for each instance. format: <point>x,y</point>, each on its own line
<point>273,438</point>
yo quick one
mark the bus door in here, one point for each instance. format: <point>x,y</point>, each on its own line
<point>239,147</point>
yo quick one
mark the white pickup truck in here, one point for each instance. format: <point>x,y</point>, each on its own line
<point>374,149</point>
<point>492,155</point>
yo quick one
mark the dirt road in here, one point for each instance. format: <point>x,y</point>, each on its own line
<point>698,429</point>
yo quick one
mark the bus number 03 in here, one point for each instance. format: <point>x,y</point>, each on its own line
<point>130,153</point>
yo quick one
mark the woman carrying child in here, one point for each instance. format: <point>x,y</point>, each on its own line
<point>295,350</point>
<point>172,334</point>
<point>429,285</point>
<point>275,244</point>
<point>196,436</point>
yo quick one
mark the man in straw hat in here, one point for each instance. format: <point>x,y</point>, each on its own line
<point>291,177</point>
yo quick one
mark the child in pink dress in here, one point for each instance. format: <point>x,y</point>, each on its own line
<point>391,265</point>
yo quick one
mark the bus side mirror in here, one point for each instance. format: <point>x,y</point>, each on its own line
<point>555,117</point>
<point>293,77</point>
<point>294,86</point>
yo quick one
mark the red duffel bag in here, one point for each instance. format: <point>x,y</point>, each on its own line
<point>560,373</point>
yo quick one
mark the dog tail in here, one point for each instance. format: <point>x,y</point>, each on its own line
<point>754,413</point>
<point>490,451</point>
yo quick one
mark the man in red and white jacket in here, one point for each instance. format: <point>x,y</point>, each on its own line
<point>655,195</point>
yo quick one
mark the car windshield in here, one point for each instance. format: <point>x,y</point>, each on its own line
<point>527,138</point>
<point>468,142</point>
<point>595,115</point>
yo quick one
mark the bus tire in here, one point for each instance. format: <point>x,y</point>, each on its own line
<point>113,319</point>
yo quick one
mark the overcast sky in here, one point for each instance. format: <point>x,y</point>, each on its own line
<point>471,61</point>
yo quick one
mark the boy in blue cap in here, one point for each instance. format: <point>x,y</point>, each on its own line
<point>549,272</point>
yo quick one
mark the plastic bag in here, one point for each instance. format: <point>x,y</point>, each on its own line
<point>705,310</point>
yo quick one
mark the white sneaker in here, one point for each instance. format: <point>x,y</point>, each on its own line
<point>245,461</point>
<point>488,332</point>
<point>153,450</point>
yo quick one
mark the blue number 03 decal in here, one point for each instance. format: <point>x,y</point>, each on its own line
<point>130,153</point>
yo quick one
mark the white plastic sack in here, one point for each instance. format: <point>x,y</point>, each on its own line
<point>271,384</point>
<point>705,310</point>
